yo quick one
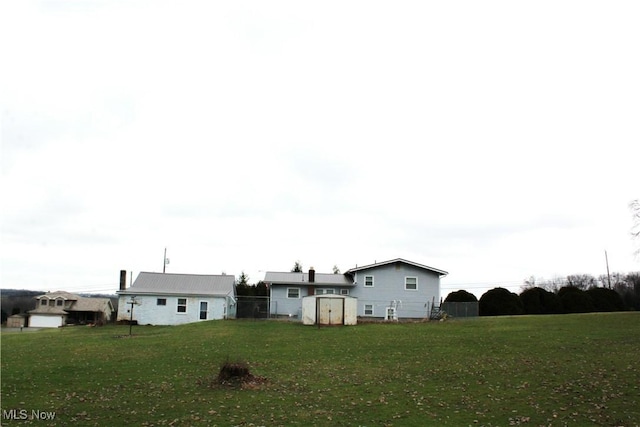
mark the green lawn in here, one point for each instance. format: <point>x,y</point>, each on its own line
<point>500,371</point>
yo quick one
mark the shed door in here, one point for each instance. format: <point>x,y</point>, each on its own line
<point>331,311</point>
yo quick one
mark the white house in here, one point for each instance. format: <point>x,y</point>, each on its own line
<point>173,299</point>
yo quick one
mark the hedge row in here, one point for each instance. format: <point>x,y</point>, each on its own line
<point>569,299</point>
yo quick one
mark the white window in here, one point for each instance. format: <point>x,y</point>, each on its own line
<point>368,281</point>
<point>368,309</point>
<point>293,292</point>
<point>43,301</point>
<point>411,283</point>
<point>344,291</point>
<point>182,305</point>
<point>330,291</point>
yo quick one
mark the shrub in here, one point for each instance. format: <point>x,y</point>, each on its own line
<point>575,300</point>
<point>461,296</point>
<point>606,299</point>
<point>500,302</point>
<point>540,301</point>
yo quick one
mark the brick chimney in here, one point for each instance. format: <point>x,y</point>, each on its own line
<point>312,275</point>
<point>123,280</point>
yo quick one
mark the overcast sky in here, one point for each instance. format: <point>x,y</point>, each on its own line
<point>496,140</point>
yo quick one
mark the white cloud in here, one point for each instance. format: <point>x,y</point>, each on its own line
<point>493,140</point>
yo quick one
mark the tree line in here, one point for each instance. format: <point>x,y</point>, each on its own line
<point>578,293</point>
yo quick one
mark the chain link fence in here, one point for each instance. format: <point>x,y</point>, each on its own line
<point>461,309</point>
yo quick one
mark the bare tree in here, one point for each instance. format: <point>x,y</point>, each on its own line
<point>552,285</point>
<point>336,270</point>
<point>297,267</point>
<point>582,281</point>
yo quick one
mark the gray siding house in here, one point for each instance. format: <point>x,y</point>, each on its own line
<point>286,290</point>
<point>390,290</point>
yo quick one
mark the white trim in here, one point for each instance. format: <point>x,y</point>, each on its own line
<point>200,310</point>
<point>372,281</point>
<point>405,283</point>
<point>364,310</point>
<point>415,264</point>
<point>178,305</point>
<point>290,289</point>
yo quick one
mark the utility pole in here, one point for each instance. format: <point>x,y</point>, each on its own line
<point>606,258</point>
<point>166,261</point>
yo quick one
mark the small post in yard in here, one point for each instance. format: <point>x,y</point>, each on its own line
<point>132,303</point>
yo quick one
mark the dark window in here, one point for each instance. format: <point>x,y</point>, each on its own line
<point>411,283</point>
<point>204,307</point>
<point>182,305</point>
<point>368,309</point>
<point>161,301</point>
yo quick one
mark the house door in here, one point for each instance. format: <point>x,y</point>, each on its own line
<point>204,309</point>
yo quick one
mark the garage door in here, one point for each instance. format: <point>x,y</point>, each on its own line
<point>39,321</point>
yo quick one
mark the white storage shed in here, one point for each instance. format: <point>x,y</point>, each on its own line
<point>329,310</point>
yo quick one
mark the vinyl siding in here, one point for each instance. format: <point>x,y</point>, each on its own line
<point>389,285</point>
<point>150,313</point>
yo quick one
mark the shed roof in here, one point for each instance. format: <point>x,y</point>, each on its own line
<point>321,279</point>
<point>404,261</point>
<point>182,284</point>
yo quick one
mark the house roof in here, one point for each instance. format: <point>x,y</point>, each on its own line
<point>321,279</point>
<point>181,284</point>
<point>392,261</point>
<point>59,294</point>
<point>91,304</point>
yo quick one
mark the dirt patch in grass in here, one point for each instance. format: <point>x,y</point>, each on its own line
<point>236,375</point>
